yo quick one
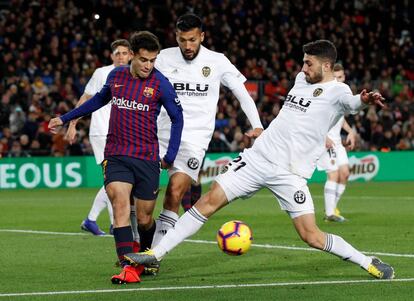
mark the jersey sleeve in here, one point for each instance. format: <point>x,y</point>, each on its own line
<point>231,77</point>
<point>300,78</point>
<point>350,103</point>
<point>173,107</point>
<point>93,86</point>
<point>96,102</point>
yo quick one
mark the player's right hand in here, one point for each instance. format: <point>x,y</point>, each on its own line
<point>165,165</point>
<point>70,135</point>
<point>54,124</point>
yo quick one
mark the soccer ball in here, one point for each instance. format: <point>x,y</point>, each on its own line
<point>234,238</point>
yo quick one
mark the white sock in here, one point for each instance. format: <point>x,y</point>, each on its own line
<point>338,246</point>
<point>100,203</point>
<point>330,194</point>
<point>134,224</point>
<point>165,221</point>
<point>339,191</point>
<point>188,224</point>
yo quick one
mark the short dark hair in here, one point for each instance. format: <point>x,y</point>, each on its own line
<point>144,40</point>
<point>121,42</point>
<point>188,22</point>
<point>323,49</point>
<point>338,67</point>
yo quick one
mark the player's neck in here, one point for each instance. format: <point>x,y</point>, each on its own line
<point>327,77</point>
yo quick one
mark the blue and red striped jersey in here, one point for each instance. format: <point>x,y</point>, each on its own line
<point>135,105</point>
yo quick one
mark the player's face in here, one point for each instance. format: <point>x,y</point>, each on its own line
<point>312,67</point>
<point>189,42</point>
<point>143,62</point>
<point>340,76</point>
<point>121,56</point>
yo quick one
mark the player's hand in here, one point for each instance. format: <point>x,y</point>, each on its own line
<point>350,140</point>
<point>372,98</point>
<point>70,135</point>
<point>54,125</point>
<point>329,143</point>
<point>165,165</point>
<point>254,133</point>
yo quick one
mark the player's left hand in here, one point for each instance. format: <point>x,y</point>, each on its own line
<point>165,165</point>
<point>254,133</point>
<point>372,98</point>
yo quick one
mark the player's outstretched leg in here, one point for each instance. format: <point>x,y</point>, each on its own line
<point>188,224</point>
<point>308,231</point>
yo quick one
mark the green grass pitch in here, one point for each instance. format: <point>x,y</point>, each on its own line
<point>50,265</point>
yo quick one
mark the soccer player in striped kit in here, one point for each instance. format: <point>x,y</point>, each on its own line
<point>132,164</point>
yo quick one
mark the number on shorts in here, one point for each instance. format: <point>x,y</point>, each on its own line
<point>239,163</point>
<point>332,153</point>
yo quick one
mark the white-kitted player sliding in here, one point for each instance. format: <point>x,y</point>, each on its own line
<point>282,159</point>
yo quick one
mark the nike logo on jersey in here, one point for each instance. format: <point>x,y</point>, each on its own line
<point>117,86</point>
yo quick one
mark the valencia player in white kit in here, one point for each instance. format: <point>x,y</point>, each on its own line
<point>196,74</point>
<point>282,159</point>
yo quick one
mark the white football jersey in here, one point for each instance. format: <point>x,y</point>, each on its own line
<point>335,132</point>
<point>197,84</point>
<point>100,118</point>
<point>295,139</point>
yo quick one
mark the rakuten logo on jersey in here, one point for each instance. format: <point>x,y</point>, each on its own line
<point>190,89</point>
<point>366,167</point>
<point>123,103</point>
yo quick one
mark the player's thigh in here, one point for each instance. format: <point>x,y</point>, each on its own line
<point>291,191</point>
<point>327,161</point>
<point>341,155</point>
<point>189,160</point>
<point>243,176</point>
<point>98,146</point>
<point>147,179</point>
<point>117,169</point>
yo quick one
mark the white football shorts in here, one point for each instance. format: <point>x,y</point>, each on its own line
<point>332,158</point>
<point>249,172</point>
<point>189,159</point>
<point>98,145</point>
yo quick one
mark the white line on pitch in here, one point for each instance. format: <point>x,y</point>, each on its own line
<point>223,286</point>
<point>361,197</point>
<point>263,246</point>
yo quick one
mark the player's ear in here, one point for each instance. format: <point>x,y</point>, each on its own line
<point>202,36</point>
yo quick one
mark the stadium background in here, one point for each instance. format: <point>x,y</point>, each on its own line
<point>49,50</point>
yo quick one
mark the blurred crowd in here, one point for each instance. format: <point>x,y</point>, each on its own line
<point>49,50</point>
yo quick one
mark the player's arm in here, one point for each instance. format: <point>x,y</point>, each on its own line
<point>173,107</point>
<point>249,108</point>
<point>353,103</point>
<point>71,131</point>
<point>96,102</point>
<point>351,137</point>
<point>234,80</point>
